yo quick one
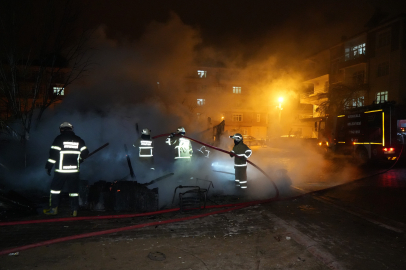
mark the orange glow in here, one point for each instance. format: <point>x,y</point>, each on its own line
<point>280,100</point>
<point>118,190</point>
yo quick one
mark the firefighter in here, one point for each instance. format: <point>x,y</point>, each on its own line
<point>243,152</point>
<point>183,148</point>
<point>67,152</point>
<point>145,146</point>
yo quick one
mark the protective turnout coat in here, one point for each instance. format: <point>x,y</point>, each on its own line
<point>182,147</point>
<point>145,146</point>
<point>243,151</point>
<point>66,153</point>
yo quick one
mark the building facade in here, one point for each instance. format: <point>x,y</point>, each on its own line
<point>216,94</point>
<point>368,68</point>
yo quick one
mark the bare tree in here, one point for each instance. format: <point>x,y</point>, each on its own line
<point>341,97</point>
<point>43,50</point>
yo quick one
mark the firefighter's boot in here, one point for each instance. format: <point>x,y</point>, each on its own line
<point>74,213</point>
<point>51,211</point>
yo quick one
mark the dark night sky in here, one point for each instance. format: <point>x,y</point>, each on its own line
<point>246,27</point>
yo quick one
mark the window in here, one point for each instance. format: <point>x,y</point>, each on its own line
<point>237,117</point>
<point>236,90</point>
<point>383,69</point>
<point>201,102</point>
<point>381,97</point>
<point>59,91</point>
<point>384,39</point>
<point>358,77</point>
<point>355,102</point>
<point>354,51</point>
<point>258,117</point>
<point>201,73</point>
<point>358,102</point>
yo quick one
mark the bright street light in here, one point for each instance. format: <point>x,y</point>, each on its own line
<point>280,99</point>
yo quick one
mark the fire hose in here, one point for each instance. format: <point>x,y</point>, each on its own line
<point>227,152</point>
<point>232,207</point>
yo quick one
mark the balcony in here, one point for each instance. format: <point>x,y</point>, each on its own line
<point>360,59</point>
<point>313,98</point>
<point>305,116</point>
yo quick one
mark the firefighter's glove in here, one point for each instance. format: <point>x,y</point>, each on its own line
<point>231,154</point>
<point>48,171</point>
<point>81,160</point>
<point>168,140</point>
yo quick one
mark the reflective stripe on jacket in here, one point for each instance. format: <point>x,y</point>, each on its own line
<point>243,152</point>
<point>145,148</point>
<point>66,153</point>
<point>183,147</point>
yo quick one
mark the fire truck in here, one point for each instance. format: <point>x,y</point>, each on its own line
<point>369,132</point>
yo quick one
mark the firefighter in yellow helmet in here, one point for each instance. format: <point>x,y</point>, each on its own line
<point>67,153</point>
<point>243,152</point>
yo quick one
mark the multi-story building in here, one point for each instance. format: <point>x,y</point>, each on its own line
<point>367,68</point>
<point>30,94</point>
<point>215,94</point>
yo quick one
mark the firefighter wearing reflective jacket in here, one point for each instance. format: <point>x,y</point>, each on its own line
<point>243,152</point>
<point>145,148</point>
<point>67,152</point>
<point>182,147</point>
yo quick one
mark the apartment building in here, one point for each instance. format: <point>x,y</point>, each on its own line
<point>365,69</point>
<point>217,94</point>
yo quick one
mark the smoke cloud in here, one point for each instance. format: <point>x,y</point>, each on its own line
<point>140,82</point>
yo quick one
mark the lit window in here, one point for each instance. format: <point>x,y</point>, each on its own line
<point>354,51</point>
<point>59,91</point>
<point>237,117</point>
<point>382,97</point>
<point>236,90</point>
<point>384,39</point>
<point>358,77</point>
<point>258,117</point>
<point>201,102</point>
<point>355,102</point>
<point>201,73</point>
<point>383,69</point>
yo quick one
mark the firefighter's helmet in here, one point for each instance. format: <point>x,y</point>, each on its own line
<point>146,131</point>
<point>66,126</point>
<point>237,137</point>
<point>181,130</point>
